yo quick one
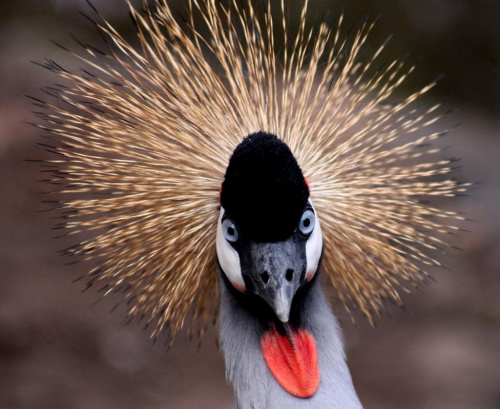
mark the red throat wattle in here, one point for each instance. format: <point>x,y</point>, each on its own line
<point>293,360</point>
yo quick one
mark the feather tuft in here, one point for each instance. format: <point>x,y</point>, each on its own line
<point>144,135</point>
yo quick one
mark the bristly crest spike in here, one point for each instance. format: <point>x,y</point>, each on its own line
<point>143,138</point>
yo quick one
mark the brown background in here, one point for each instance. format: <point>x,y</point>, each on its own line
<point>59,351</point>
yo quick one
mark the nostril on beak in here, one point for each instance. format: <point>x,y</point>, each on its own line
<point>289,274</point>
<point>264,276</point>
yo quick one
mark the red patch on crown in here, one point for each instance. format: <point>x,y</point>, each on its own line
<point>293,361</point>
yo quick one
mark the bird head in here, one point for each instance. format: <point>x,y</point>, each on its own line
<point>269,240</point>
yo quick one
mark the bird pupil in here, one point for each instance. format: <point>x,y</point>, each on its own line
<point>230,231</point>
<point>307,222</point>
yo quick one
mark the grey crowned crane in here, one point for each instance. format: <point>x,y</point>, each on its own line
<point>144,138</point>
<point>280,340</point>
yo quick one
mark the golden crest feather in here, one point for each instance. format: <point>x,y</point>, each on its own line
<point>144,135</point>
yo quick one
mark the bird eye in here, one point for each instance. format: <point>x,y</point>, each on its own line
<point>229,230</point>
<point>307,220</point>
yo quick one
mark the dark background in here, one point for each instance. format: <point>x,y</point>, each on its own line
<point>57,350</point>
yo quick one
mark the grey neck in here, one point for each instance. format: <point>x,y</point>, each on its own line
<point>253,384</point>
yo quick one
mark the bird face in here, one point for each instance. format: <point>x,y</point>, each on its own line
<point>272,270</point>
<point>269,240</point>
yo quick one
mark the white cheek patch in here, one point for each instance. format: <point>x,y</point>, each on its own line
<point>228,257</point>
<point>314,247</point>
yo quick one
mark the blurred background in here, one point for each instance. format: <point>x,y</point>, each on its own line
<point>59,350</point>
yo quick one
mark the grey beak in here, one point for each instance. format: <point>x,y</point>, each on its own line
<point>282,304</point>
<point>275,270</point>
